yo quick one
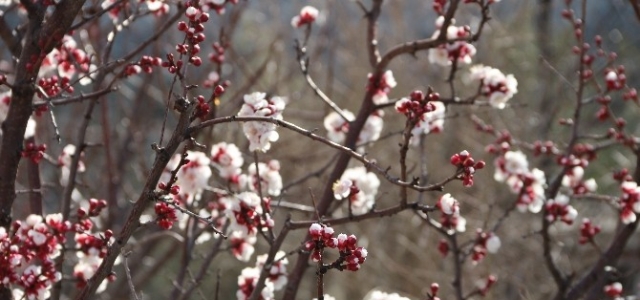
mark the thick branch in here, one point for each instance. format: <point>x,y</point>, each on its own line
<point>146,197</point>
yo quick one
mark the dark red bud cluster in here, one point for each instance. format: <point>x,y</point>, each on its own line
<point>588,231</point>
<point>34,152</point>
<point>468,165</point>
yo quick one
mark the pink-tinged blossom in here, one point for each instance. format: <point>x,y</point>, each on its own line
<point>247,282</point>
<point>278,270</point>
<point>64,161</point>
<point>486,242</point>
<point>270,179</point>
<point>227,159</point>
<point>158,7</point>
<point>193,177</point>
<point>308,15</point>
<point>342,188</point>
<point>496,86</point>
<point>629,202</point>
<point>430,122</point>
<point>242,245</point>
<point>367,184</point>
<point>261,134</point>
<point>337,127</point>
<point>381,88</point>
<point>448,204</point>
<point>559,209</point>
<point>573,179</point>
<point>446,53</point>
<point>510,164</point>
<point>27,256</point>
<point>615,80</point>
<point>379,295</point>
<point>613,290</point>
<point>513,168</point>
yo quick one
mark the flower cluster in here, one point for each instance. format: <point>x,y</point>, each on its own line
<point>434,288</point>
<point>166,215</point>
<point>308,15</point>
<point>337,127</point>
<point>483,286</point>
<point>145,64</point>
<point>380,87</point>
<point>192,177</point>
<point>276,279</point>
<point>360,187</point>
<point>560,209</point>
<point>34,152</point>
<point>247,214</point>
<point>379,295</point>
<point>217,5</point>
<point>269,180</point>
<point>67,60</point>
<point>261,134</point>
<point>512,167</point>
<point>92,247</point>
<point>351,256</point>
<point>28,253</point>
<point>158,7</point>
<point>629,202</point>
<point>614,290</point>
<point>451,218</point>
<point>64,161</point>
<point>417,104</point>
<point>496,86</point>
<point>573,179</point>
<point>486,242</point>
<point>430,122</point>
<point>194,30</point>
<point>278,270</point>
<point>227,159</point>
<point>467,165</point>
<point>247,283</point>
<point>460,51</point>
<point>588,231</point>
<point>616,79</point>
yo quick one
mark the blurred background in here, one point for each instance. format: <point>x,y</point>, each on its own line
<point>528,39</point>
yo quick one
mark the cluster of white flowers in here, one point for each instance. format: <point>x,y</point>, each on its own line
<point>367,184</point>
<point>270,179</point>
<point>560,209</point>
<point>227,159</point>
<point>261,134</point>
<point>446,53</point>
<point>276,281</point>
<point>278,271</point>
<point>64,161</point>
<point>247,282</point>
<point>432,121</point>
<point>383,87</point>
<point>337,127</point>
<point>513,168</point>
<point>494,85</point>
<point>575,181</point>
<point>451,218</point>
<point>378,295</point>
<point>193,177</point>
